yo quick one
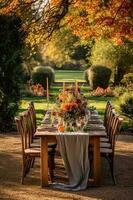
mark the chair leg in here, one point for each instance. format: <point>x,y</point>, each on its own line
<point>51,167</point>
<point>32,162</point>
<point>91,165</point>
<point>28,165</point>
<point>22,174</point>
<point>111,164</point>
<point>24,169</point>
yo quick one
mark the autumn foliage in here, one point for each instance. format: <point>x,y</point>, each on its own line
<point>112,19</point>
<point>97,18</point>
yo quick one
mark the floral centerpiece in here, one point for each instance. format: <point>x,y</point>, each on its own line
<point>71,109</point>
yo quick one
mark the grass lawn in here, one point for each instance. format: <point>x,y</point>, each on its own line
<point>41,103</point>
<point>69,76</point>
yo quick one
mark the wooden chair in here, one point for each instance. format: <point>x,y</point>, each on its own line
<point>105,141</point>
<point>107,149</point>
<point>109,112</point>
<point>108,152</point>
<point>32,114</point>
<point>30,153</point>
<point>108,109</point>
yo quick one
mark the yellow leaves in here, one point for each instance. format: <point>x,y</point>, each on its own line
<point>55,2</point>
<point>10,7</point>
<point>108,20</point>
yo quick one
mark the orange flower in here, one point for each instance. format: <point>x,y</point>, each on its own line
<point>73,105</point>
<point>54,113</point>
<point>61,128</point>
<point>66,107</point>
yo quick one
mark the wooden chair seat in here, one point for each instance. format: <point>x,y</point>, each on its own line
<point>104,139</point>
<point>105,150</point>
<point>36,151</point>
<point>105,145</point>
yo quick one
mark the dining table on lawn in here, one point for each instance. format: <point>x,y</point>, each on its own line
<point>49,134</point>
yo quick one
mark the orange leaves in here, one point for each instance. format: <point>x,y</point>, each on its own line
<point>10,7</point>
<point>111,20</point>
<point>86,18</point>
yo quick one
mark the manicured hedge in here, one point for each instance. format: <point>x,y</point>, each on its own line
<point>40,74</point>
<point>98,76</point>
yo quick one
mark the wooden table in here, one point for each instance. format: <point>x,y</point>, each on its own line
<point>47,137</point>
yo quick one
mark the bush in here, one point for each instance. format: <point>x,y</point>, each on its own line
<point>127,80</point>
<point>126,104</point>
<point>39,75</point>
<point>120,91</point>
<point>71,66</point>
<point>99,76</point>
<point>11,71</point>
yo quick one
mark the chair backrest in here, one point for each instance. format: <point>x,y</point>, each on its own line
<point>31,108</point>
<point>115,128</point>
<point>27,127</point>
<point>108,109</point>
<point>110,122</point>
<point>20,130</point>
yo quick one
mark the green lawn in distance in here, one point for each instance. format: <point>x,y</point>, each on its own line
<point>41,103</point>
<point>69,76</point>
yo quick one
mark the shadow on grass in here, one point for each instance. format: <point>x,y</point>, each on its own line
<point>105,99</point>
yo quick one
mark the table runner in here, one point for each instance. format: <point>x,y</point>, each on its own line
<point>74,151</point>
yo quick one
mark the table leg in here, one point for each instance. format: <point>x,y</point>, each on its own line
<point>97,163</point>
<point>44,162</point>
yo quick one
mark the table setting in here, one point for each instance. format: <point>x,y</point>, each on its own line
<point>69,124</point>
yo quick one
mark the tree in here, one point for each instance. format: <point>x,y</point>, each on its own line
<point>11,72</point>
<point>64,47</point>
<point>98,18</point>
<point>111,18</point>
<point>118,57</point>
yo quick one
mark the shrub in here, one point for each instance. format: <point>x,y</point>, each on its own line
<point>99,76</point>
<point>71,66</point>
<point>40,74</point>
<point>120,91</point>
<point>126,104</point>
<point>11,71</point>
<point>127,81</point>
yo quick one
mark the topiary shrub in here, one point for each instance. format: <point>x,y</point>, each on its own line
<point>40,74</point>
<point>99,76</point>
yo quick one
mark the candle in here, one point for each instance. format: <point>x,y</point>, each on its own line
<point>64,86</point>
<point>47,89</point>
